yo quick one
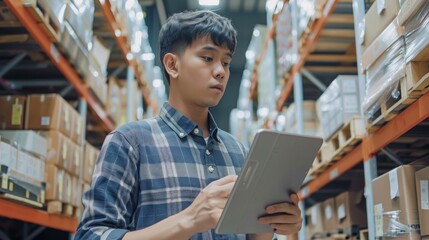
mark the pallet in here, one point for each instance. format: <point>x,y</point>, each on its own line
<point>363,234</point>
<point>389,108</point>
<point>345,139</point>
<point>43,19</point>
<point>60,208</point>
<point>322,160</point>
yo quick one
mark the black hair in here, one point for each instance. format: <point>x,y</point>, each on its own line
<point>183,28</point>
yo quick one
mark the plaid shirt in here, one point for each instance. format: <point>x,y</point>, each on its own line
<point>152,169</point>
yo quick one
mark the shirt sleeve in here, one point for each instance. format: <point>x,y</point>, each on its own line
<point>112,197</point>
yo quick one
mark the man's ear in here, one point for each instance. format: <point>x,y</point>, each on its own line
<point>170,61</point>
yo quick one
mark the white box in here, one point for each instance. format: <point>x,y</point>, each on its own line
<point>8,154</point>
<point>28,140</point>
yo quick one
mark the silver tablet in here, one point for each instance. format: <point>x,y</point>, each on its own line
<point>276,165</point>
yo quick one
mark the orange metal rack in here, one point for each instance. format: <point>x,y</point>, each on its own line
<point>60,61</point>
<point>27,214</point>
<point>121,40</point>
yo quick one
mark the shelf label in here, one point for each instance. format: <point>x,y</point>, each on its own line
<point>4,181</point>
<point>55,54</point>
<point>328,212</point>
<point>341,212</point>
<point>378,212</point>
<point>27,194</point>
<point>424,194</point>
<point>16,114</point>
<point>394,186</point>
<point>11,187</point>
<point>333,174</point>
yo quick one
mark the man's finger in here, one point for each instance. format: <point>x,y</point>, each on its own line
<point>288,208</point>
<point>224,190</point>
<point>294,198</point>
<point>280,219</point>
<point>225,180</point>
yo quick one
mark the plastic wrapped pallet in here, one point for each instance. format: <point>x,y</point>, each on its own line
<point>383,79</point>
<point>80,16</point>
<point>55,9</point>
<point>266,83</point>
<point>416,35</point>
<point>396,215</point>
<point>338,104</point>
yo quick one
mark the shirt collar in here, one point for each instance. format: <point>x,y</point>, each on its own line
<point>182,125</point>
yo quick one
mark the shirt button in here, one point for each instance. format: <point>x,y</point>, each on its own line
<point>210,168</point>
<point>196,131</point>
<point>207,152</point>
<point>181,134</point>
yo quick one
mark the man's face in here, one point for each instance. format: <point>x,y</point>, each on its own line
<point>203,72</point>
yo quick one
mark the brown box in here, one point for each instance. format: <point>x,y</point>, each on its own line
<point>330,222</point>
<point>415,71</point>
<point>12,113</point>
<point>314,217</point>
<point>54,183</point>
<point>90,156</point>
<point>67,188</point>
<point>78,128</point>
<point>422,186</point>
<point>48,112</point>
<point>57,148</point>
<point>375,23</point>
<point>409,9</point>
<point>395,201</point>
<point>351,210</point>
<point>76,160</point>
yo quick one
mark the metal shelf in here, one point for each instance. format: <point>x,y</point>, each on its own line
<point>27,214</point>
<point>371,144</point>
<point>122,42</point>
<point>59,61</point>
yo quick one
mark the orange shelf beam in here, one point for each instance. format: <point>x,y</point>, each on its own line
<point>371,144</point>
<point>27,214</point>
<point>405,121</point>
<point>317,28</point>
<point>59,61</point>
<point>122,42</point>
<point>352,159</point>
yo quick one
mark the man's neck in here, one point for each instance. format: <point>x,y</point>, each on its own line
<point>197,114</point>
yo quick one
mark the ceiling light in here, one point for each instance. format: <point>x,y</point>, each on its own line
<point>208,2</point>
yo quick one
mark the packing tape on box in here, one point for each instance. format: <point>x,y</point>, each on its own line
<point>390,224</point>
<point>417,30</point>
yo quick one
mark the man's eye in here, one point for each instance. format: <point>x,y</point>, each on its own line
<point>207,59</point>
<point>226,64</point>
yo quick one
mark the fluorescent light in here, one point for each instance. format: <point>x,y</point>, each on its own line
<point>208,2</point>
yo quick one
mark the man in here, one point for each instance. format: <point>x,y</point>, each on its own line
<point>170,177</point>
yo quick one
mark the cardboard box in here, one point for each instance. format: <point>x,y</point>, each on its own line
<point>409,9</point>
<point>28,140</point>
<point>395,201</point>
<point>91,154</point>
<point>338,104</point>
<point>48,112</point>
<point>78,128</point>
<point>58,148</point>
<point>12,113</point>
<point>54,183</point>
<point>382,20</point>
<point>330,222</point>
<point>8,154</point>
<point>351,209</point>
<point>67,188</point>
<point>76,160</point>
<point>77,192</point>
<point>314,220</point>
<point>422,187</point>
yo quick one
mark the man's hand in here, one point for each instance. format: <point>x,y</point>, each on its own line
<point>287,217</point>
<point>207,207</point>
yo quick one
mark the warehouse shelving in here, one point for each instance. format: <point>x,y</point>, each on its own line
<point>122,42</point>
<point>27,214</point>
<point>60,61</point>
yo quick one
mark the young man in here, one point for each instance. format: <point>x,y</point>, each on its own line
<point>170,177</point>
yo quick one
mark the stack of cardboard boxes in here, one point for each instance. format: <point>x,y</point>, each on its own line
<point>54,131</point>
<point>402,212</point>
<point>311,121</point>
<point>344,213</point>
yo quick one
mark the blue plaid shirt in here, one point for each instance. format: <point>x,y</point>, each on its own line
<point>152,169</point>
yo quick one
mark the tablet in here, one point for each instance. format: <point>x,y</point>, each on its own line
<point>276,165</point>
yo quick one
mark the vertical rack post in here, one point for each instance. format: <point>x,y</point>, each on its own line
<point>370,170</point>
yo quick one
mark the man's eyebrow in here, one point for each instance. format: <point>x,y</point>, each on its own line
<point>210,48</point>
